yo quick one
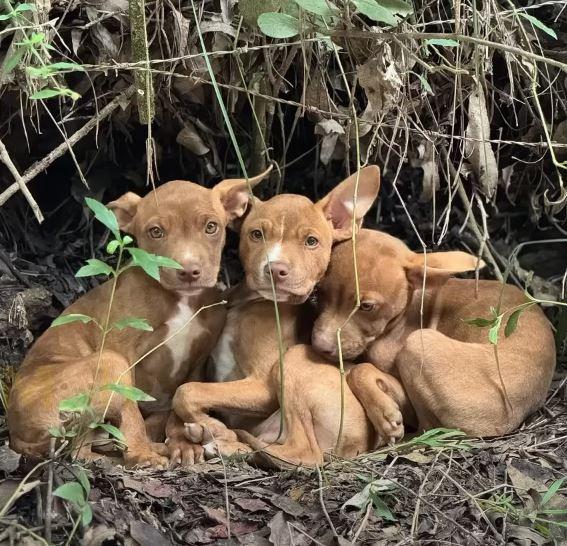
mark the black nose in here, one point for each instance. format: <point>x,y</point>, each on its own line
<point>279,270</point>
<point>190,274</point>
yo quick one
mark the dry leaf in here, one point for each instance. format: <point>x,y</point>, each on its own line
<point>9,487</point>
<point>383,88</point>
<point>181,32</point>
<point>252,505</point>
<point>147,535</point>
<point>189,138</point>
<point>477,146</point>
<point>330,129</point>
<point>428,162</point>
<point>560,137</point>
<point>282,534</point>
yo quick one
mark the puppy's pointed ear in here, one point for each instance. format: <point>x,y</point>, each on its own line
<point>438,267</point>
<point>125,209</point>
<point>338,205</point>
<point>234,195</point>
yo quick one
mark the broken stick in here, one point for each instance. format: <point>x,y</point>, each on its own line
<point>41,165</point>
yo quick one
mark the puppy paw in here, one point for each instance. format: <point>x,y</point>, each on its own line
<point>184,453</point>
<point>225,449</point>
<point>389,424</point>
<point>144,458</point>
<point>204,433</point>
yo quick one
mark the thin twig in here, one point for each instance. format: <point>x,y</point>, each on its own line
<point>322,502</point>
<point>49,491</point>
<point>40,166</point>
<point>7,160</point>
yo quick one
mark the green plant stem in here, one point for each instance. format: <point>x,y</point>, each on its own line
<point>232,135</point>
<point>354,228</point>
<point>156,347</point>
<point>74,530</point>
<point>81,436</point>
<point>11,498</point>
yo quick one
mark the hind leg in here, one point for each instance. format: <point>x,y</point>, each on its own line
<point>384,401</point>
<point>456,384</point>
<point>38,391</point>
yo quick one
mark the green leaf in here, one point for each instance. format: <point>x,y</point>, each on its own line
<point>278,25</point>
<point>376,12</point>
<point>84,481</point>
<point>537,23</point>
<point>318,7</point>
<point>64,66</point>
<point>24,7</point>
<point>71,317</point>
<point>493,332</point>
<point>127,240</point>
<point>35,72</point>
<point>94,267</point>
<point>553,488</point>
<point>112,430</point>
<point>71,94</point>
<point>77,403</point>
<point>398,7</point>
<point>424,83</point>
<point>46,94</point>
<point>480,322</point>
<point>6,16</point>
<point>164,261</point>
<point>105,216</point>
<point>12,62</point>
<point>128,392</point>
<point>56,432</point>
<point>133,322</point>
<point>512,322</point>
<point>381,508</point>
<point>151,263</point>
<point>72,491</point>
<point>112,246</point>
<point>36,38</point>
<point>442,42</point>
<point>86,514</point>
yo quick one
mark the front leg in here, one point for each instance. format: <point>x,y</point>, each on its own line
<point>181,450</point>
<point>247,397</point>
<point>140,451</point>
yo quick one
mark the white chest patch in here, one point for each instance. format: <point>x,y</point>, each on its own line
<point>225,366</point>
<point>180,344</point>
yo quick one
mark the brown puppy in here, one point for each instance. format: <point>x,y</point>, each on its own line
<point>185,222</point>
<point>448,368</point>
<point>291,237</point>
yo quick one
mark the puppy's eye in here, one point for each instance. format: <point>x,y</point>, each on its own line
<point>256,234</point>
<point>367,306</point>
<point>211,228</point>
<point>156,232</point>
<point>311,241</point>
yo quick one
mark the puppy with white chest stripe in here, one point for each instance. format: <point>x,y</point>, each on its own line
<point>185,222</point>
<point>286,241</point>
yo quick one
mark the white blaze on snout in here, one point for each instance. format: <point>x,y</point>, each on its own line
<point>180,344</point>
<point>273,254</point>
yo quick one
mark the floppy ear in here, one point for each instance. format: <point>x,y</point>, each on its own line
<point>125,209</point>
<point>438,267</point>
<point>338,205</point>
<point>234,195</point>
